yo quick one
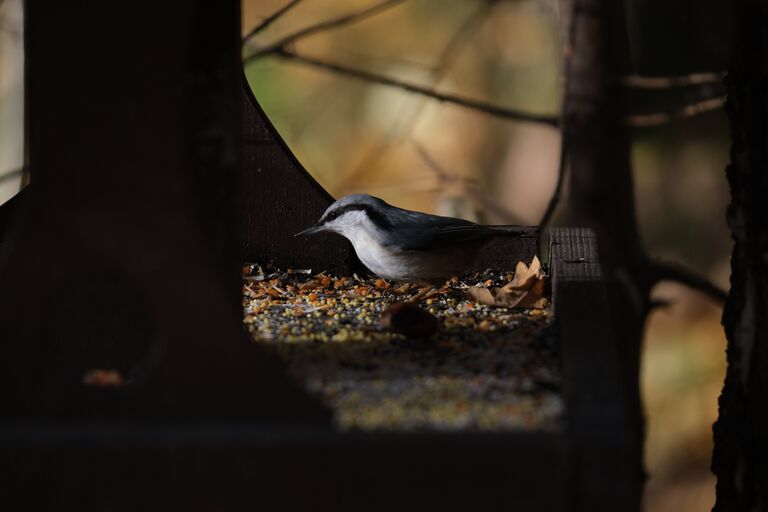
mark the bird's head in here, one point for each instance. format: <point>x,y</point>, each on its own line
<point>351,213</point>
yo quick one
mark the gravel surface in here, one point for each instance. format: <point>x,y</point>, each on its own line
<point>487,368</point>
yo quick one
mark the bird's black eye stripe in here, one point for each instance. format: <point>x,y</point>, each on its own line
<point>329,217</point>
<point>375,216</point>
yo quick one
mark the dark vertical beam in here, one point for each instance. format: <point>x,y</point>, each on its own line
<point>601,194</point>
<point>740,458</point>
<point>599,420</point>
<point>126,253</point>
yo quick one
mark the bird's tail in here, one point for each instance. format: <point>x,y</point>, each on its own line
<point>522,231</point>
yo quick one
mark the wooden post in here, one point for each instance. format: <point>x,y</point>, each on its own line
<point>601,193</point>
<point>598,416</point>
<point>125,252</point>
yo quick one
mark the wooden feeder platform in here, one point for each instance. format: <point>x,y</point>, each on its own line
<point>455,364</point>
<point>125,256</point>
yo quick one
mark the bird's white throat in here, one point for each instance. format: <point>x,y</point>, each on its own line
<point>367,239</point>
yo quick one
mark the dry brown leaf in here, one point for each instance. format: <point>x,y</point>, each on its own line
<point>526,290</point>
<point>103,378</point>
<point>308,285</point>
<point>525,276</point>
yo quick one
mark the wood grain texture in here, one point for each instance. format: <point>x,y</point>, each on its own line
<point>601,193</point>
<point>505,253</point>
<point>280,198</point>
<point>603,464</point>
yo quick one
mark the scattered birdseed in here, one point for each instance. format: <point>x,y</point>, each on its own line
<point>487,368</point>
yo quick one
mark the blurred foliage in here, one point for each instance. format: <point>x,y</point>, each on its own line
<point>355,136</point>
<point>11,97</point>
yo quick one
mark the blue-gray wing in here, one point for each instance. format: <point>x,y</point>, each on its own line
<point>421,231</point>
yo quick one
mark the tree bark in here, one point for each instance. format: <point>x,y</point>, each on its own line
<point>740,458</point>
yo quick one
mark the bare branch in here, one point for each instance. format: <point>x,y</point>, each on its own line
<point>406,119</point>
<point>657,119</point>
<point>567,53</point>
<point>324,26</point>
<point>659,304</point>
<point>468,190</point>
<point>558,192</point>
<point>665,271</point>
<point>459,38</point>
<point>665,82</point>
<point>15,173</point>
<point>481,106</point>
<point>270,19</point>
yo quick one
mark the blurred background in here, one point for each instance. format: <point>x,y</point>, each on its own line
<point>354,135</point>
<point>11,98</point>
<point>357,136</point>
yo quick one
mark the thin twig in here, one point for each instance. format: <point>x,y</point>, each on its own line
<point>660,118</point>
<point>481,106</point>
<point>557,193</point>
<point>554,200</point>
<point>665,271</point>
<point>270,19</point>
<point>459,38</point>
<point>401,61</point>
<point>405,121</point>
<point>323,26</point>
<point>665,82</point>
<point>659,304</point>
<point>471,192</point>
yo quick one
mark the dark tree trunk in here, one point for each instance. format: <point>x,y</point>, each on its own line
<point>740,458</point>
<point>601,186</point>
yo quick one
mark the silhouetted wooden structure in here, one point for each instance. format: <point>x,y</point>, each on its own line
<point>155,175</point>
<point>740,457</point>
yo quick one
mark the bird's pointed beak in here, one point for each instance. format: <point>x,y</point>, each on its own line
<point>311,231</point>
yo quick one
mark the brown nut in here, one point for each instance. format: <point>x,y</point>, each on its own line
<point>409,320</point>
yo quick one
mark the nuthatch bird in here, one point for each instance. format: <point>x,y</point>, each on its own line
<point>401,244</point>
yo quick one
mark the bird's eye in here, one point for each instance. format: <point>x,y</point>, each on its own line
<point>332,215</point>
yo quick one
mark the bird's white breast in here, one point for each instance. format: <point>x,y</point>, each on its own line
<point>394,264</point>
<point>391,263</point>
<point>375,256</point>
